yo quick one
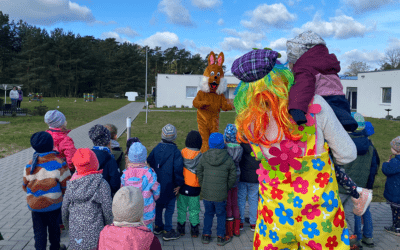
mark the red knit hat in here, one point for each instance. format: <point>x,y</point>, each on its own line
<point>85,161</point>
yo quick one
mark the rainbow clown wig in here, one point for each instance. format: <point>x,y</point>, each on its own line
<point>256,101</point>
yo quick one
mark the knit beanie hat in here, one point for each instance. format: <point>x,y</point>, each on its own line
<point>359,119</point>
<point>130,142</point>
<point>230,133</point>
<point>369,129</point>
<point>169,133</point>
<point>85,160</point>
<point>299,45</point>
<point>137,153</point>
<point>193,140</point>
<point>395,143</point>
<point>54,118</point>
<point>42,142</point>
<point>216,141</point>
<point>128,205</point>
<point>100,135</point>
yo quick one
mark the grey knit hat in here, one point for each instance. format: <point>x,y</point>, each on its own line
<point>99,135</point>
<point>299,45</point>
<point>128,205</point>
<point>169,133</point>
<point>54,118</point>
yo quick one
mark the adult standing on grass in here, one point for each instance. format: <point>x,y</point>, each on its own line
<point>14,98</point>
<point>20,97</point>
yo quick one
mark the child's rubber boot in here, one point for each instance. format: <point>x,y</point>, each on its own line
<point>194,231</point>
<point>229,227</point>
<point>181,228</point>
<point>236,227</point>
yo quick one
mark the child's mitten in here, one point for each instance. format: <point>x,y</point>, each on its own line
<point>298,116</point>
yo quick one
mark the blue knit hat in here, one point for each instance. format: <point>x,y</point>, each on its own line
<point>369,129</point>
<point>137,153</point>
<point>230,133</point>
<point>130,142</point>
<point>216,141</point>
<point>41,142</point>
<point>54,118</point>
<point>359,119</point>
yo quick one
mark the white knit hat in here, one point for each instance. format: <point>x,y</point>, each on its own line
<point>128,205</point>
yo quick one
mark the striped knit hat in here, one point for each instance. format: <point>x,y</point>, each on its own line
<point>169,133</point>
<point>54,118</point>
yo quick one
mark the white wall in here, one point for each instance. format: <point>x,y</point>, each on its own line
<point>171,89</point>
<point>369,93</point>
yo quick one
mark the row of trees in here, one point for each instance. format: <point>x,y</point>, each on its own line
<point>389,62</point>
<point>63,64</point>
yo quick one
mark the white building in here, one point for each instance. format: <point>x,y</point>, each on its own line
<point>181,90</point>
<point>370,93</point>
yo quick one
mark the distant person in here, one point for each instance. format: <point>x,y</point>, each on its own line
<point>217,174</point>
<point>20,98</point>
<point>167,162</point>
<point>154,95</point>
<point>45,195</point>
<point>14,97</point>
<point>101,139</point>
<point>87,205</point>
<point>391,169</point>
<point>62,142</point>
<point>116,150</point>
<point>138,174</point>
<point>128,231</point>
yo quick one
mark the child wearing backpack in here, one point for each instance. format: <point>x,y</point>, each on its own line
<point>138,174</point>
<point>45,195</point>
<point>189,193</point>
<point>116,150</point>
<point>87,205</point>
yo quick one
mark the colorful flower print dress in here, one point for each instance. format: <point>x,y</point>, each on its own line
<point>299,205</point>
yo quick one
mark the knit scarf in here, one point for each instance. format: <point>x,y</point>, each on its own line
<point>104,148</point>
<point>36,156</point>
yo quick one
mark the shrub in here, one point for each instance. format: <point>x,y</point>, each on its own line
<point>173,106</point>
<point>389,117</point>
<point>398,118</point>
<point>1,102</point>
<point>14,114</point>
<point>40,110</point>
<point>183,106</point>
<point>165,106</point>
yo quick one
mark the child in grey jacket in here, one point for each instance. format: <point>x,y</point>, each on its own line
<point>232,208</point>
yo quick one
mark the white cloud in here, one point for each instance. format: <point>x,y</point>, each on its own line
<point>340,27</point>
<point>112,34</point>
<point>293,2</point>
<point>128,31</point>
<point>309,8</point>
<point>189,43</point>
<point>164,40</point>
<point>264,16</point>
<point>98,22</point>
<point>394,43</point>
<point>206,4</point>
<point>372,58</point>
<point>221,22</point>
<point>362,6</point>
<point>278,44</point>
<point>283,58</point>
<point>243,40</point>
<point>176,13</point>
<point>46,12</point>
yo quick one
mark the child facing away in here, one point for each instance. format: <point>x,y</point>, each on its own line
<point>101,139</point>
<point>217,175</point>
<point>138,174</point>
<point>45,195</point>
<point>116,150</point>
<point>391,169</point>
<point>62,142</point>
<point>189,193</point>
<point>316,72</point>
<point>232,208</point>
<point>87,205</point>
<point>167,162</point>
<point>128,231</point>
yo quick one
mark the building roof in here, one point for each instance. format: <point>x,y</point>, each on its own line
<point>344,77</point>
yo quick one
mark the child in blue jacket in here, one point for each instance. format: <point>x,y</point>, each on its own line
<point>167,162</point>
<point>391,169</point>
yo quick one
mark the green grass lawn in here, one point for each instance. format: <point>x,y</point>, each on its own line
<point>150,135</point>
<point>16,135</point>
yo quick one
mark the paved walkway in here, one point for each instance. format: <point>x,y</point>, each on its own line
<point>16,221</point>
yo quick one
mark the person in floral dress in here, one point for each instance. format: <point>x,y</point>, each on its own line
<point>299,205</point>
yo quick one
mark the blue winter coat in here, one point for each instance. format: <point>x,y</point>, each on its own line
<point>167,162</point>
<point>392,187</point>
<point>111,172</point>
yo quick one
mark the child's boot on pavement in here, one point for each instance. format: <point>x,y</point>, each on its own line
<point>181,228</point>
<point>229,227</point>
<point>194,231</point>
<point>236,228</point>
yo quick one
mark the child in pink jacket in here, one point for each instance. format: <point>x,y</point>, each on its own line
<point>139,174</point>
<point>128,231</point>
<point>62,142</point>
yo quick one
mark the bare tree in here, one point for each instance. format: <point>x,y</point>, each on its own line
<point>356,67</point>
<point>391,59</point>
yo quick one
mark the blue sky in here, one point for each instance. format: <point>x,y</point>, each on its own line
<point>359,30</point>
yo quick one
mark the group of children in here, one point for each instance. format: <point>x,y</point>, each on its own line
<point>94,193</point>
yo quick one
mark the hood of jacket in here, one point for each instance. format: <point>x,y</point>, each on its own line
<point>361,141</point>
<point>318,59</point>
<point>191,164</point>
<point>84,189</point>
<point>235,150</point>
<point>216,157</point>
<point>164,152</point>
<point>58,135</point>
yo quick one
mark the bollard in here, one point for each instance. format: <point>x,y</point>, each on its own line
<point>128,128</point>
<point>147,109</point>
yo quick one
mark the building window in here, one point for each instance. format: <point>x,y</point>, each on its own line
<point>351,96</point>
<point>191,92</point>
<point>386,95</point>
